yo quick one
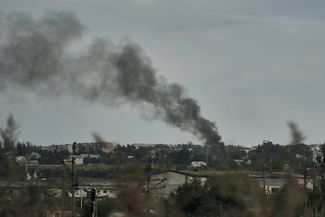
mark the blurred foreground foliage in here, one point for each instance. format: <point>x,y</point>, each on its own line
<point>229,195</point>
<point>237,195</point>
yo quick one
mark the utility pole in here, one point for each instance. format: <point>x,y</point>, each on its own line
<point>305,191</point>
<point>206,153</point>
<point>93,202</point>
<point>315,185</point>
<point>74,184</point>
<point>148,177</point>
<point>220,208</point>
<point>62,197</point>
<point>81,193</point>
<point>73,187</point>
<point>264,179</point>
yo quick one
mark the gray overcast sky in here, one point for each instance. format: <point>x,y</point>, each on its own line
<point>252,65</point>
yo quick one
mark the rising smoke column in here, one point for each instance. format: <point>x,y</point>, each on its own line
<point>297,137</point>
<point>34,55</point>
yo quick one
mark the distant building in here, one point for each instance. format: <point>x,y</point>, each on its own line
<point>142,145</point>
<point>176,147</point>
<point>21,160</point>
<point>35,155</point>
<point>272,184</point>
<point>78,160</point>
<point>69,148</point>
<point>101,192</point>
<point>55,148</point>
<point>33,163</point>
<point>299,156</point>
<point>164,183</point>
<point>58,212</point>
<point>239,161</point>
<point>317,153</point>
<point>93,156</point>
<point>275,181</point>
<point>85,147</point>
<point>197,164</point>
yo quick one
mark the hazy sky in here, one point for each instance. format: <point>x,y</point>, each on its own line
<point>252,65</point>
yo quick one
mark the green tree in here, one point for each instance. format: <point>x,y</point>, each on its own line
<point>288,201</point>
<point>181,157</point>
<point>235,194</point>
<point>269,156</point>
<point>106,206</point>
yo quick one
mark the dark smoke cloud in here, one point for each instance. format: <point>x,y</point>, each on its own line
<point>297,136</point>
<point>35,56</point>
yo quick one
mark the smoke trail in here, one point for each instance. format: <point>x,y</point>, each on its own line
<point>34,55</point>
<point>297,136</point>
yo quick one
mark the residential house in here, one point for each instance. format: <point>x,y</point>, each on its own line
<point>166,182</point>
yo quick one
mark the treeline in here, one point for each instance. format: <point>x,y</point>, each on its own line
<point>265,156</point>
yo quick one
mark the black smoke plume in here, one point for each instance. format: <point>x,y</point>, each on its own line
<point>297,137</point>
<point>35,55</point>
